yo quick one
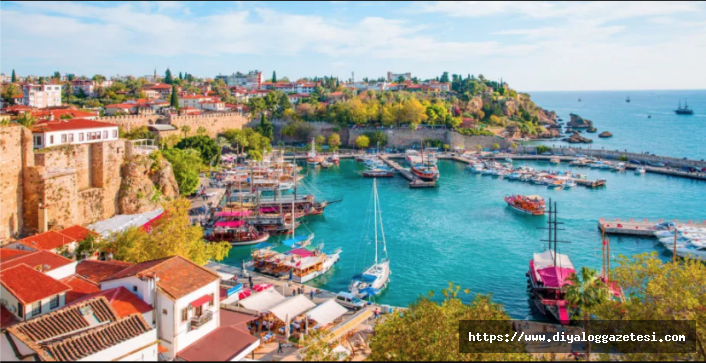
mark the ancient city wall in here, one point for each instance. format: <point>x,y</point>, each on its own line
<point>615,154</point>
<point>15,153</point>
<point>213,123</point>
<point>130,122</point>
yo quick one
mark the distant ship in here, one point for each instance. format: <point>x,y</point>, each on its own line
<point>627,99</point>
<point>684,110</point>
<point>579,100</point>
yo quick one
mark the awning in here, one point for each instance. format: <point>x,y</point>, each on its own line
<point>369,291</point>
<point>261,287</point>
<point>326,312</point>
<point>269,210</point>
<point>294,240</point>
<point>292,307</point>
<point>200,301</point>
<point>229,224</point>
<point>555,276</point>
<point>161,349</point>
<point>263,301</point>
<point>350,324</point>
<point>237,213</point>
<point>300,252</point>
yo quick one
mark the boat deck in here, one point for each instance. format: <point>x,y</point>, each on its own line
<point>644,228</point>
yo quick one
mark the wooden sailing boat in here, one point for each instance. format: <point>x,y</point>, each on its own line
<point>375,278</point>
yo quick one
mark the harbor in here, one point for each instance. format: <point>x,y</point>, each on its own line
<point>642,228</point>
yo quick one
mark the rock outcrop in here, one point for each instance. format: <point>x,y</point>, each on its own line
<point>578,122</point>
<point>605,134</point>
<point>145,183</point>
<point>549,134</point>
<point>475,104</point>
<point>592,130</point>
<point>510,107</point>
<point>577,139</point>
<point>546,117</point>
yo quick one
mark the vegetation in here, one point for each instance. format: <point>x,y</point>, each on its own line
<point>334,141</point>
<point>174,99</point>
<point>541,149</point>
<point>585,293</point>
<point>208,150</point>
<point>249,140</point>
<point>10,92</point>
<point>317,347</point>
<point>301,131</point>
<point>362,142</point>
<point>137,133</point>
<point>186,165</point>
<point>265,128</point>
<point>377,138</point>
<point>27,120</point>
<point>171,235</point>
<point>429,331</point>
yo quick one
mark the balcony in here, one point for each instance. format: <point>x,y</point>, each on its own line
<point>198,321</point>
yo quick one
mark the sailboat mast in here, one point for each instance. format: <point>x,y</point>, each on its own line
<point>382,230</point>
<point>375,211</point>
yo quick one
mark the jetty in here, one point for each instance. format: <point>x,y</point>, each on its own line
<point>414,182</point>
<point>641,228</point>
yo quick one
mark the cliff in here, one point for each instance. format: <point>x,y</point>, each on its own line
<point>145,184</point>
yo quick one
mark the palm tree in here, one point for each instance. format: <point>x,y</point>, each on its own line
<point>584,293</point>
<point>201,130</point>
<point>27,120</point>
<point>185,129</point>
<point>222,142</point>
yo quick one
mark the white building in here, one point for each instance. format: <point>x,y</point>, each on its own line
<point>193,100</point>
<point>218,106</point>
<point>394,77</point>
<point>251,80</point>
<point>73,131</point>
<point>41,96</point>
<point>87,86</point>
<point>185,298</point>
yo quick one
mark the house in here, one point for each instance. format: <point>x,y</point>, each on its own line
<point>394,77</point>
<point>189,111</point>
<point>152,94</point>
<point>294,98</point>
<point>72,131</point>
<point>183,294</point>
<point>194,100</point>
<point>97,271</point>
<point>53,241</point>
<point>218,106</point>
<point>162,88</point>
<point>124,108</point>
<point>91,330</point>
<point>85,86</point>
<point>335,97</point>
<point>251,80</point>
<point>230,342</point>
<point>41,95</point>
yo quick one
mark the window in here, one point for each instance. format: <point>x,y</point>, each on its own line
<point>63,138</point>
<point>20,310</point>
<point>115,133</point>
<point>54,302</point>
<point>37,308</point>
<point>80,136</point>
<point>38,141</point>
<point>71,137</point>
<point>184,314</point>
<point>210,303</point>
<point>199,311</point>
<point>105,134</point>
<point>51,139</point>
<point>134,288</point>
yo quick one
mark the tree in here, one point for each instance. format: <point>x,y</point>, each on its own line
<point>186,167</point>
<point>362,142</point>
<point>320,140</point>
<point>174,101</point>
<point>377,138</point>
<point>413,113</point>
<point>207,148</point>
<point>496,146</point>
<point>444,77</point>
<point>27,120</point>
<point>429,331</point>
<point>274,77</point>
<point>266,128</point>
<point>436,113</point>
<point>201,131</point>
<point>11,92</point>
<point>334,141</point>
<point>185,129</point>
<point>171,235</point>
<point>168,77</point>
<point>318,347</point>
<point>584,293</point>
<point>88,247</point>
<point>180,76</point>
<point>13,79</point>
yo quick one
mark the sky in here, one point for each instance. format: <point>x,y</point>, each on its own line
<point>534,46</point>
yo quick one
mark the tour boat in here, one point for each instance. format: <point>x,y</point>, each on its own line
<point>532,204</point>
<point>426,172</point>
<point>335,159</point>
<point>312,157</point>
<point>684,110</point>
<point>412,157</point>
<point>376,277</point>
<point>556,184</point>
<point>237,233</point>
<point>548,275</point>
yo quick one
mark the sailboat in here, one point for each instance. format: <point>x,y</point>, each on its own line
<point>312,157</point>
<point>426,170</point>
<point>627,99</point>
<point>375,278</point>
<point>684,110</point>
<point>301,240</point>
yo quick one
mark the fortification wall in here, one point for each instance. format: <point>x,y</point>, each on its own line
<point>130,122</point>
<point>616,154</point>
<point>15,153</point>
<point>213,123</point>
<point>471,142</point>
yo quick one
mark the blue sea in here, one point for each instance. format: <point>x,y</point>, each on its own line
<point>463,232</point>
<point>665,133</point>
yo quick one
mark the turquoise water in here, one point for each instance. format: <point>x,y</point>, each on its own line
<point>664,134</point>
<point>462,231</point>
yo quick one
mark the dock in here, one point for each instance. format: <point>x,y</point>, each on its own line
<point>641,228</point>
<point>413,181</point>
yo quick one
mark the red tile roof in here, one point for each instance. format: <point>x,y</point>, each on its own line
<point>72,124</point>
<point>78,233</point>
<point>122,105</point>
<point>29,285</point>
<point>123,301</point>
<point>57,344</point>
<point>98,271</point>
<point>47,240</point>
<point>159,86</point>
<point>7,318</point>
<point>80,287</point>
<point>17,108</point>
<point>177,275</point>
<point>63,112</point>
<point>45,259</point>
<point>7,254</point>
<point>224,343</point>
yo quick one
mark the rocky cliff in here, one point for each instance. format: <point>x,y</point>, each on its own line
<point>578,122</point>
<point>145,184</point>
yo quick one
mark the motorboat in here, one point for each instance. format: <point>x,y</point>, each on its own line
<point>640,171</point>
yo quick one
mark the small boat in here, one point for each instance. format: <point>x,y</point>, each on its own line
<point>627,99</point>
<point>555,161</point>
<point>692,250</point>
<point>556,184</point>
<point>513,176</point>
<point>569,183</point>
<point>531,204</point>
<point>649,116</point>
<point>640,171</point>
<point>335,159</point>
<point>656,164</point>
<point>508,160</point>
<point>326,164</point>
<point>375,278</point>
<point>312,157</point>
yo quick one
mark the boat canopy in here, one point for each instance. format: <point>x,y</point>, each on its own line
<point>301,252</point>
<point>364,278</point>
<point>556,276</point>
<point>238,213</point>
<point>294,240</point>
<point>229,224</point>
<point>281,249</point>
<point>546,259</point>
<point>370,291</point>
<point>269,210</point>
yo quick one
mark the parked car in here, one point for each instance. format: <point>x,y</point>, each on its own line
<point>348,300</point>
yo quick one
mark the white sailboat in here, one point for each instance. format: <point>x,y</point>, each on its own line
<point>375,278</point>
<point>313,157</point>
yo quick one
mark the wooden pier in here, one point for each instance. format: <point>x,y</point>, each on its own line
<point>413,181</point>
<point>643,228</point>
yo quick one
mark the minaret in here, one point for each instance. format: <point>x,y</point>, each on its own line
<point>155,72</point>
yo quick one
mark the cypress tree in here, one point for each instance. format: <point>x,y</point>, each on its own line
<point>180,76</point>
<point>274,77</point>
<point>14,77</point>
<point>175,98</point>
<point>168,77</point>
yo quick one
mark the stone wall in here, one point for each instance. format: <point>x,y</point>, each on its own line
<point>15,152</point>
<point>319,128</point>
<point>615,154</point>
<point>130,122</point>
<point>214,123</point>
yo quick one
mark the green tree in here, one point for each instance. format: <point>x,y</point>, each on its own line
<point>171,235</point>
<point>584,293</point>
<point>429,330</point>
<point>543,148</point>
<point>208,149</point>
<point>174,101</point>
<point>496,146</point>
<point>185,129</point>
<point>362,142</point>
<point>168,77</point>
<point>266,128</point>
<point>318,347</point>
<point>186,167</point>
<point>13,79</point>
<point>201,131</point>
<point>377,138</point>
<point>320,140</point>
<point>27,120</point>
<point>334,141</point>
<point>88,247</point>
<point>274,77</point>
<point>10,93</point>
